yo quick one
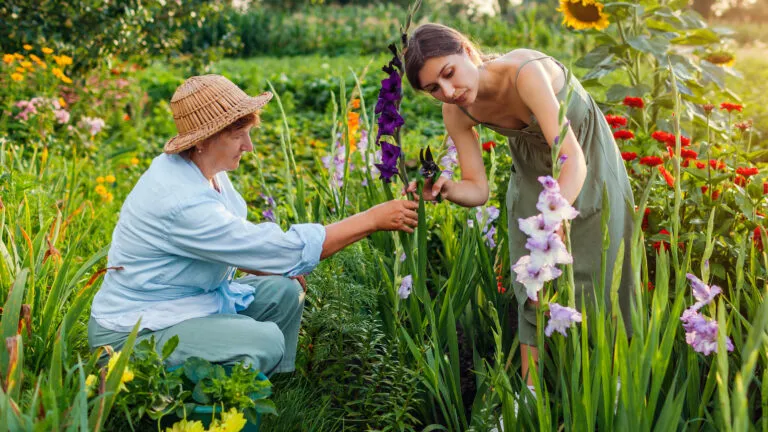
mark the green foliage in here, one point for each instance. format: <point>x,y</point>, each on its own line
<point>95,31</point>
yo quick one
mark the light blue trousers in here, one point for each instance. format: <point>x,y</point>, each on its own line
<point>263,335</point>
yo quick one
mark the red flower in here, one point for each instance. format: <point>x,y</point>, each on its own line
<point>488,145</point>
<point>743,125</point>
<point>747,171</point>
<point>688,154</point>
<point>629,156</point>
<point>661,136</point>
<point>500,288</point>
<point>716,194</point>
<point>728,106</point>
<point>757,238</point>
<point>644,224</point>
<point>708,108</point>
<point>718,165</point>
<point>623,134</point>
<point>765,188</point>
<point>633,102</point>
<point>700,165</point>
<point>684,141</point>
<point>616,121</point>
<point>686,163</point>
<point>651,161</point>
<point>740,181</point>
<point>650,286</point>
<point>659,244</point>
<point>670,179</point>
<point>704,189</point>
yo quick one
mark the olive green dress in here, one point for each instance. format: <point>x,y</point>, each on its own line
<point>531,156</point>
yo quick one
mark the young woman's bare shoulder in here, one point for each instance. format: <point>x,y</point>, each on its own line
<point>515,58</point>
<point>453,115</point>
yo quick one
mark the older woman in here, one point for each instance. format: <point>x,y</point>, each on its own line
<point>183,233</point>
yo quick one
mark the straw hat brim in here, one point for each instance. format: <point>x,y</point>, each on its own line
<point>247,106</point>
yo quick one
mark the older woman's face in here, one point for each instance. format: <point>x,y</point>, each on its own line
<point>450,79</point>
<point>225,152</point>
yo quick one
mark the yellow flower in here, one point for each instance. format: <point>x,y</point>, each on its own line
<point>26,64</point>
<point>27,47</point>
<point>99,179</point>
<point>232,421</point>
<point>127,374</point>
<point>90,384</point>
<point>35,58</point>
<point>18,56</point>
<point>62,60</point>
<point>65,79</point>
<point>57,72</point>
<point>17,77</point>
<point>721,58</point>
<point>8,58</point>
<point>47,50</point>
<point>109,179</point>
<point>134,161</point>
<point>21,70</point>
<point>44,156</point>
<point>186,426</point>
<point>101,190</point>
<point>583,14</point>
<point>62,102</point>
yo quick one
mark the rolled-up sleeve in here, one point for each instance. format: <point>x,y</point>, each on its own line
<point>205,229</point>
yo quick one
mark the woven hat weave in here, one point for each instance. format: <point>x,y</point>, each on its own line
<point>204,105</point>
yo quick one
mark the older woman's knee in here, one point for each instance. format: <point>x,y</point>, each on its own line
<point>264,346</point>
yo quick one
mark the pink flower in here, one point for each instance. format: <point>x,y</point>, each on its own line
<point>62,116</point>
<point>93,124</point>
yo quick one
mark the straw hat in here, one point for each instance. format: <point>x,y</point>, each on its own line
<point>204,105</point>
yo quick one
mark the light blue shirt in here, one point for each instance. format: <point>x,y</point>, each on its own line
<point>178,242</point>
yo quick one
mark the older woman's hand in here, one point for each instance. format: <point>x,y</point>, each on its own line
<point>395,215</point>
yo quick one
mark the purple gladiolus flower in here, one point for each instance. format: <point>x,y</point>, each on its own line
<point>550,184</point>
<point>701,333</point>
<point>548,251</point>
<point>405,287</point>
<point>533,277</point>
<point>389,120</point>
<point>268,214</point>
<point>555,208</point>
<point>561,160</point>
<point>537,227</point>
<point>561,318</point>
<point>388,166</point>
<point>702,292</point>
<point>489,237</point>
<point>450,160</point>
<point>486,215</point>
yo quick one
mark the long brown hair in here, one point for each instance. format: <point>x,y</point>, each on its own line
<point>435,40</point>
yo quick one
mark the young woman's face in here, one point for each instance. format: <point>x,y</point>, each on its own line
<point>224,154</point>
<point>450,79</point>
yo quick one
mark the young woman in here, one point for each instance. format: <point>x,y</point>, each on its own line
<point>518,95</point>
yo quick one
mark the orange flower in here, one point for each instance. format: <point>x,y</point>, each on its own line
<point>728,106</point>
<point>718,165</point>
<point>356,103</point>
<point>667,176</point>
<point>757,237</point>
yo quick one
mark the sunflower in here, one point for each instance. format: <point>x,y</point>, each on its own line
<point>721,58</point>
<point>583,14</point>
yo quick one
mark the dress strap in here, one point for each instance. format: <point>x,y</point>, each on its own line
<point>464,110</point>
<point>531,60</point>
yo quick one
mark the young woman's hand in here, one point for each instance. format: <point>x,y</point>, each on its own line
<point>395,215</point>
<point>431,191</point>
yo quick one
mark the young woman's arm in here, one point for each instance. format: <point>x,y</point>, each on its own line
<point>472,190</point>
<point>535,89</point>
